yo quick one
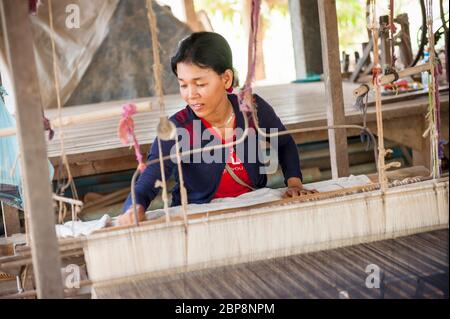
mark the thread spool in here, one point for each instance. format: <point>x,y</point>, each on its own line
<point>166,130</point>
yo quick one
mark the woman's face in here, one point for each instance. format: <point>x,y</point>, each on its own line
<point>202,88</point>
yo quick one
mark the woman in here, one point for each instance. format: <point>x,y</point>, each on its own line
<point>204,68</point>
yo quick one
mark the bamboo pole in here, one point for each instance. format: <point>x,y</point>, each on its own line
<point>45,254</point>
<point>386,79</point>
<point>85,118</point>
<point>333,88</point>
<point>67,200</point>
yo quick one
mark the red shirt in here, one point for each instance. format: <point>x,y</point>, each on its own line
<point>228,187</point>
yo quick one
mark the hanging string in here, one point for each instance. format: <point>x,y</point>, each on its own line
<point>392,30</point>
<point>183,192</point>
<point>127,135</point>
<point>166,129</point>
<point>438,72</point>
<point>163,183</point>
<point>246,102</point>
<point>64,160</point>
<point>157,67</point>
<point>433,115</point>
<point>376,74</point>
<point>361,102</point>
<point>361,105</point>
<point>390,69</point>
<point>245,107</point>
<point>366,134</point>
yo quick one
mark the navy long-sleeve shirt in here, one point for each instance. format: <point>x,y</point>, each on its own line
<point>202,172</point>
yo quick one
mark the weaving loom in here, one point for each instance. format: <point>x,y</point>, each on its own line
<point>388,208</point>
<point>414,266</point>
<point>282,228</point>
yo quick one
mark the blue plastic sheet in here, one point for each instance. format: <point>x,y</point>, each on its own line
<point>10,174</point>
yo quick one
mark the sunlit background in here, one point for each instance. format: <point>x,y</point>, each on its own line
<point>226,18</point>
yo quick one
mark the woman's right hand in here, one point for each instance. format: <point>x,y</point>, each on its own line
<point>127,218</point>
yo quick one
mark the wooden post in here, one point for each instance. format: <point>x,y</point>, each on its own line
<point>11,220</point>
<point>423,157</point>
<point>305,31</point>
<point>35,173</point>
<point>333,87</point>
<point>191,15</point>
<point>385,43</point>
<point>406,55</point>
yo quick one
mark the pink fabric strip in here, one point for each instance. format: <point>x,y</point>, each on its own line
<point>126,133</point>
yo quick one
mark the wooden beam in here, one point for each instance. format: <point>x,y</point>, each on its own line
<point>11,220</point>
<point>35,172</point>
<point>191,15</point>
<point>389,78</point>
<point>89,117</point>
<point>333,87</point>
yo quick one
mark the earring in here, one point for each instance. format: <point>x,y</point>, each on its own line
<point>230,89</point>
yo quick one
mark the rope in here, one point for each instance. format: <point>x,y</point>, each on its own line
<point>433,115</point>
<point>177,156</point>
<point>245,134</point>
<point>165,130</point>
<point>376,74</point>
<point>163,184</point>
<point>65,162</point>
<point>361,104</point>
<point>183,192</point>
<point>392,30</point>
<point>438,73</point>
<point>365,132</point>
<point>246,90</point>
<point>245,94</point>
<point>157,67</point>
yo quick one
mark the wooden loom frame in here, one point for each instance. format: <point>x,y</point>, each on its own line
<point>334,90</point>
<point>289,213</point>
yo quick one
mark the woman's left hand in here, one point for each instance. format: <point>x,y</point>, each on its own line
<point>295,191</point>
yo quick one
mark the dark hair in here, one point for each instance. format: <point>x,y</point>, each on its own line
<point>206,50</point>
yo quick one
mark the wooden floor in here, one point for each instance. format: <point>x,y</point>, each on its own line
<point>411,267</point>
<point>94,148</point>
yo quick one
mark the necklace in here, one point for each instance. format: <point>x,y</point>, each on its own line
<point>228,121</point>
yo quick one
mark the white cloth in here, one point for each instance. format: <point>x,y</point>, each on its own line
<point>263,195</point>
<point>260,196</point>
<point>79,228</point>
